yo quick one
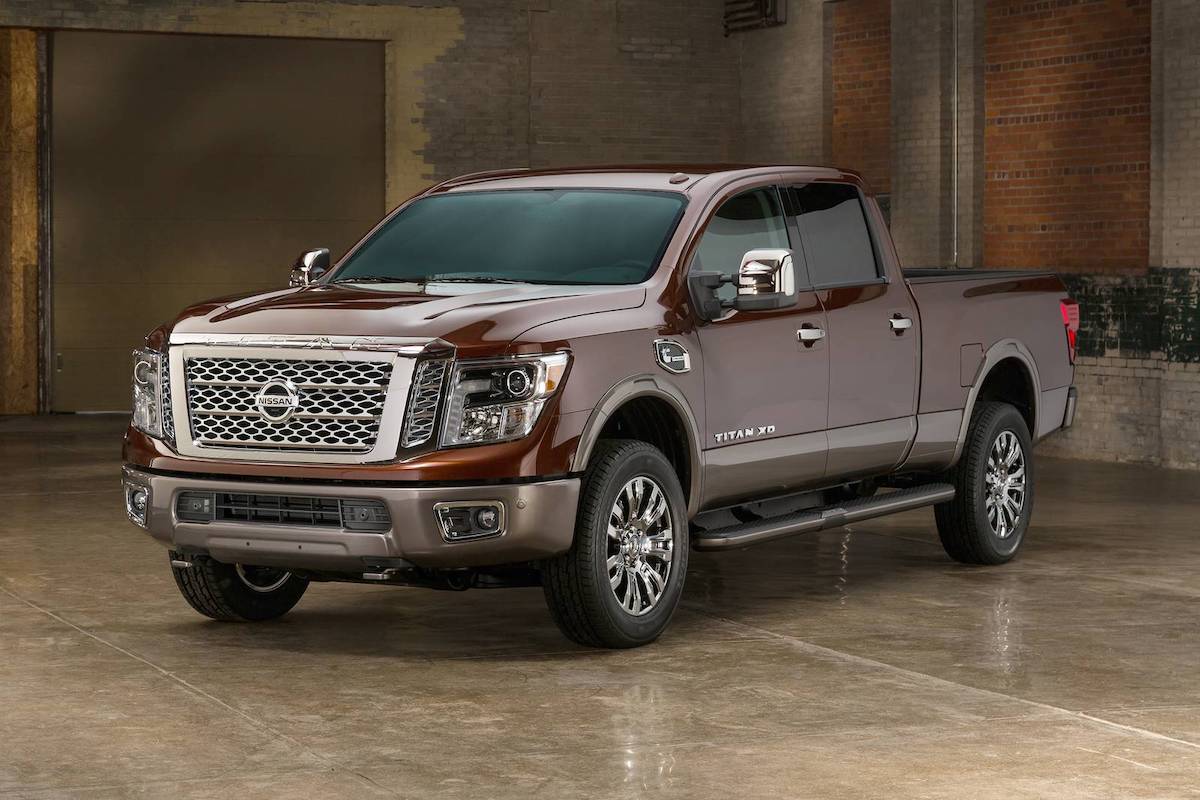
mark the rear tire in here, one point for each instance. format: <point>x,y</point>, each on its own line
<point>986,521</point>
<point>620,582</point>
<point>236,592</point>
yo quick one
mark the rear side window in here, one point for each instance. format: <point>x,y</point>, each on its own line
<point>833,228</point>
<point>748,221</point>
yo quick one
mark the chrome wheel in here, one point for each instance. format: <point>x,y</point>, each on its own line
<point>1004,484</point>
<point>640,545</point>
<point>262,579</point>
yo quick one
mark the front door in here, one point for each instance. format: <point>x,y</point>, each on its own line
<point>872,332</point>
<point>765,391</point>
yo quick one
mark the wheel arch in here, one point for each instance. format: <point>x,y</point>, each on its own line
<point>637,404</point>
<point>1008,373</point>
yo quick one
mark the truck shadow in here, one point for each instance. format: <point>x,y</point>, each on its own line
<point>820,578</point>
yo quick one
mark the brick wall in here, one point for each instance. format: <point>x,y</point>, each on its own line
<point>1140,377</point>
<point>862,90</point>
<point>1077,144</point>
<point>1067,142</point>
<point>1139,368</point>
<point>632,81</point>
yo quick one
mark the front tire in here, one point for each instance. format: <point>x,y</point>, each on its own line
<point>620,582</point>
<point>986,521</point>
<point>237,592</point>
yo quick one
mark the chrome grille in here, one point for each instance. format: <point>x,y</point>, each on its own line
<point>168,413</point>
<point>423,404</point>
<point>340,403</point>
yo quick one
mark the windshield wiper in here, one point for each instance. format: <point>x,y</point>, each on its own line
<point>471,279</point>
<point>372,279</point>
<point>427,279</point>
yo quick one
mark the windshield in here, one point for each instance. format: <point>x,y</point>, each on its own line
<point>571,236</point>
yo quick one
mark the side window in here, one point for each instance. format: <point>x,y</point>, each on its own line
<point>834,230</point>
<point>747,221</point>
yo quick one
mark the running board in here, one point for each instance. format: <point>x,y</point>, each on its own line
<point>818,519</point>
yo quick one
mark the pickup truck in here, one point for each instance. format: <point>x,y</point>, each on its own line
<point>572,378</point>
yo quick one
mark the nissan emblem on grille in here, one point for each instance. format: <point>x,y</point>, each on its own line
<point>277,400</point>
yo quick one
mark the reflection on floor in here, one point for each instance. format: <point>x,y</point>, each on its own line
<point>858,662</point>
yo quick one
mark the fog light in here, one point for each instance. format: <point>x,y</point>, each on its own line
<point>487,519</point>
<point>137,501</point>
<point>473,519</point>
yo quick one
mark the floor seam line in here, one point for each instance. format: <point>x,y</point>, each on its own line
<point>870,662</point>
<point>196,690</point>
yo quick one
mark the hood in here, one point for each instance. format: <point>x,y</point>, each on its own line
<point>473,317</point>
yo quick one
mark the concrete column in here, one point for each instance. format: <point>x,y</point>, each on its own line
<point>969,144</point>
<point>922,132</point>
<point>1175,221</point>
<point>19,216</point>
<point>1176,134</point>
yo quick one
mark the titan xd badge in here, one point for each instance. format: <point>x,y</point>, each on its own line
<point>744,433</point>
<point>672,356</point>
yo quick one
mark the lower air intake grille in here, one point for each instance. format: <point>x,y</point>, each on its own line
<point>283,509</point>
<point>279,509</point>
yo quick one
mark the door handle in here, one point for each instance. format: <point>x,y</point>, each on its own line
<point>810,334</point>
<point>900,324</point>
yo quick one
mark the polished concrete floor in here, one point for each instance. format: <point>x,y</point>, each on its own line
<point>857,663</point>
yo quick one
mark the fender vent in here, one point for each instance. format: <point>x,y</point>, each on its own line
<point>423,402</point>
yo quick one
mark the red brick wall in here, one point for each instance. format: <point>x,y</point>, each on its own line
<point>862,89</point>
<point>1067,134</point>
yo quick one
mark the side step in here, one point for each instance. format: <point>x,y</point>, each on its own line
<point>818,519</point>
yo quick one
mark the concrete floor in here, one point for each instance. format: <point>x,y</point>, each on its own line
<point>857,663</point>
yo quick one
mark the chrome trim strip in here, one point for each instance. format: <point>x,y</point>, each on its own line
<point>387,442</point>
<point>366,387</point>
<point>501,528</point>
<point>220,412</point>
<point>405,345</point>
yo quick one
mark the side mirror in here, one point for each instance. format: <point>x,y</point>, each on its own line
<point>766,280</point>
<point>311,265</point>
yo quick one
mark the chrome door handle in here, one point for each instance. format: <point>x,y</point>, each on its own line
<point>810,335</point>
<point>900,323</point>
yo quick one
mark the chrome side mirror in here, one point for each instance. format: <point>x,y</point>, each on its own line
<point>311,265</point>
<point>766,280</point>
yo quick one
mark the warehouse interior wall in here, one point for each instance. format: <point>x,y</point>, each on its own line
<point>1061,137</point>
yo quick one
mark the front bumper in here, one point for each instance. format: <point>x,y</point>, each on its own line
<point>539,521</point>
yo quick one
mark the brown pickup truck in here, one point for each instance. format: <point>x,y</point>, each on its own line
<point>571,378</point>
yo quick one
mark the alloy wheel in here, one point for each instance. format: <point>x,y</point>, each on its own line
<point>262,579</point>
<point>640,545</point>
<point>1004,484</point>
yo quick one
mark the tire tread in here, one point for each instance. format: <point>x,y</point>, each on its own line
<point>572,595</point>
<point>956,520</point>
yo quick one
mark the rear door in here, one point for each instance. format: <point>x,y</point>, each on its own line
<point>872,327</point>
<point>765,392</point>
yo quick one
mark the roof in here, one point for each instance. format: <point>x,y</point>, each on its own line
<point>662,177</point>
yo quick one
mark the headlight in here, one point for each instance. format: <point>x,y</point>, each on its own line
<point>147,392</point>
<point>500,399</point>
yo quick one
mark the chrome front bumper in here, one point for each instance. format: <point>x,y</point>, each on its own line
<point>539,521</point>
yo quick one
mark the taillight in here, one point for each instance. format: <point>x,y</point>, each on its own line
<point>1070,316</point>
